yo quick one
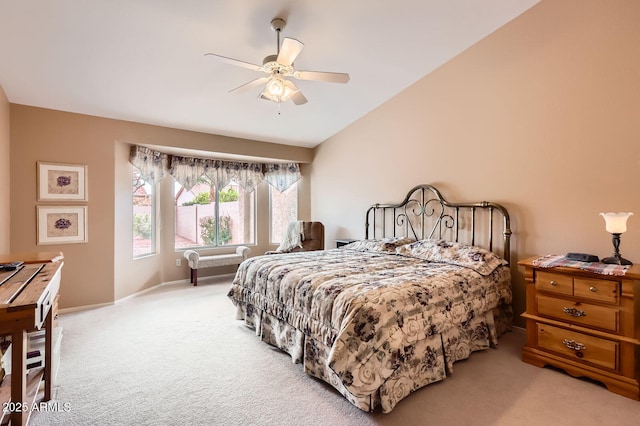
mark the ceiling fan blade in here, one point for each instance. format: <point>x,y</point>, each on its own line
<point>298,98</point>
<point>236,62</point>
<point>249,85</point>
<point>294,93</point>
<point>289,51</point>
<point>331,77</point>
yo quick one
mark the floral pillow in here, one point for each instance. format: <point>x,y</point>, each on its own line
<point>480,260</point>
<point>379,245</point>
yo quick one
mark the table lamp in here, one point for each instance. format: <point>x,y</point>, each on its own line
<point>616,224</point>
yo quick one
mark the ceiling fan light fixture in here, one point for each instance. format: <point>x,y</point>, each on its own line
<point>276,87</point>
<point>279,90</point>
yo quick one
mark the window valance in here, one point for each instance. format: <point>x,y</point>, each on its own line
<point>155,165</point>
<point>282,176</point>
<point>187,171</point>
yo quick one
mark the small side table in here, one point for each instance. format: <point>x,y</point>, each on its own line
<point>343,242</point>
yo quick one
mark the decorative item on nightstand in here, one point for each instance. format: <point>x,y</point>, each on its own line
<point>616,224</point>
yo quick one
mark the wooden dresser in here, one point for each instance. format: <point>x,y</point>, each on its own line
<point>27,301</point>
<point>585,323</point>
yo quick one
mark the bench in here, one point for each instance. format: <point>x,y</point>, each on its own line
<point>196,261</point>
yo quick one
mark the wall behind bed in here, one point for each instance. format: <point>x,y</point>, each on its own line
<point>542,116</point>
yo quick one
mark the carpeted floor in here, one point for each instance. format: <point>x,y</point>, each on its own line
<point>175,355</point>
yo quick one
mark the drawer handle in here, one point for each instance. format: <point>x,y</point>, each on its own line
<point>574,312</point>
<point>572,344</point>
<point>553,283</point>
<point>593,289</point>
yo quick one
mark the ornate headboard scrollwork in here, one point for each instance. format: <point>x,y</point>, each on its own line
<point>425,214</point>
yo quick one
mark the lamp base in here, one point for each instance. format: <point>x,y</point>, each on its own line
<point>616,260</point>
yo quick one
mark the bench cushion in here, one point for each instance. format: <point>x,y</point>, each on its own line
<point>196,261</point>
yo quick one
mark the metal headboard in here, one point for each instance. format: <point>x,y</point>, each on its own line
<point>425,214</point>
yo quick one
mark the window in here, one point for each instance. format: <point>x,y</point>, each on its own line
<point>144,214</point>
<point>203,222</point>
<point>284,209</point>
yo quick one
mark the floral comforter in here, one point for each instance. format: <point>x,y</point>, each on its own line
<point>371,301</point>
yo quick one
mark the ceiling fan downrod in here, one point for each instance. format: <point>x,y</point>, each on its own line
<point>278,25</point>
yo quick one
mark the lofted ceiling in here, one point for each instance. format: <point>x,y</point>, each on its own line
<point>144,60</point>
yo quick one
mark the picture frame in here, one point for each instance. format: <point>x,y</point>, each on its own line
<point>61,225</point>
<point>62,182</point>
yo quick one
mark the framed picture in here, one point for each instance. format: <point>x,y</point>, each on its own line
<point>62,224</point>
<point>62,182</point>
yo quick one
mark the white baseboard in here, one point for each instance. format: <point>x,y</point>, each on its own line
<point>203,280</point>
<point>84,307</point>
<point>185,281</point>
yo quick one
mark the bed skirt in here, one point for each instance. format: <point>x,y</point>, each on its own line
<point>432,360</point>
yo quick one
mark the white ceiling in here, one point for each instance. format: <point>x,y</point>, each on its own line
<point>144,60</point>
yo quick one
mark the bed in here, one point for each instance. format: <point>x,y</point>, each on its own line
<point>385,316</point>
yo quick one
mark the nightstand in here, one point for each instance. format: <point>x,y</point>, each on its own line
<point>585,323</point>
<point>344,242</point>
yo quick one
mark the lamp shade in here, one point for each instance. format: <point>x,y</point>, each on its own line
<point>616,223</point>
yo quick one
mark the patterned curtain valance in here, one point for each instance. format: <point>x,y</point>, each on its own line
<point>282,176</point>
<point>153,165</point>
<point>187,170</point>
<point>247,175</point>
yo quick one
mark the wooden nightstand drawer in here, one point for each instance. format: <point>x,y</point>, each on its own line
<point>600,290</point>
<point>602,317</point>
<point>554,283</point>
<point>578,346</point>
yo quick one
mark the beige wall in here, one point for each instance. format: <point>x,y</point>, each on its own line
<point>103,270</point>
<point>542,116</point>
<point>5,230</point>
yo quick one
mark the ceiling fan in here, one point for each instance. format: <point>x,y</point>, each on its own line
<point>277,88</point>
